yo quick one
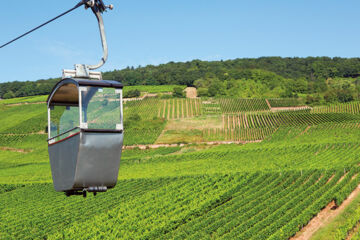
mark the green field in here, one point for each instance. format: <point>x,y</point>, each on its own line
<point>35,99</point>
<point>152,88</point>
<point>294,163</point>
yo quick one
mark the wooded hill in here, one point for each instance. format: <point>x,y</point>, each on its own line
<point>318,79</point>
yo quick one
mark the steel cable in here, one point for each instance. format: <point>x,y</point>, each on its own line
<point>51,20</point>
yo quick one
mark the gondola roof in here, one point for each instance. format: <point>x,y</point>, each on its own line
<point>65,92</point>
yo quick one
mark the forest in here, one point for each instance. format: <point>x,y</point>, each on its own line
<point>315,79</point>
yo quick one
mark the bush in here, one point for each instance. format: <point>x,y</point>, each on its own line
<point>132,93</point>
<point>178,92</point>
<point>105,102</point>
<point>165,96</point>
<point>8,95</point>
<point>313,99</point>
<point>216,88</point>
<point>345,96</point>
<point>134,117</point>
<point>202,92</point>
<point>330,96</point>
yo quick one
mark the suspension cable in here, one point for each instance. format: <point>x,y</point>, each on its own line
<point>53,19</point>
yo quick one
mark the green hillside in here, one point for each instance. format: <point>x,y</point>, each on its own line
<point>315,80</point>
<point>280,168</point>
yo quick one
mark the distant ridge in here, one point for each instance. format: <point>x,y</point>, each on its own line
<point>302,75</point>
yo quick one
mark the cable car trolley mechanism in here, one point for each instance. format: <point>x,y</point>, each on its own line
<point>85,125</point>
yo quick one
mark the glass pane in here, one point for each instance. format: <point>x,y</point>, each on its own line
<point>100,108</point>
<point>62,119</point>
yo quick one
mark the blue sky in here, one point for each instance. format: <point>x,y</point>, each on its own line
<point>142,32</point>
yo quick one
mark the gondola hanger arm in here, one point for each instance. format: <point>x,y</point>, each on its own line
<point>98,7</point>
<point>83,70</point>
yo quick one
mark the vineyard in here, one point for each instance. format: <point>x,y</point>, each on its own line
<point>352,107</point>
<point>285,102</point>
<point>294,163</point>
<point>179,108</point>
<point>153,88</point>
<point>241,119</point>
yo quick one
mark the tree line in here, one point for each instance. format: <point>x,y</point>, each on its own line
<point>314,78</point>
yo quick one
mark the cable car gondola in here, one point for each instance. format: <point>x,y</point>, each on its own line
<point>85,126</point>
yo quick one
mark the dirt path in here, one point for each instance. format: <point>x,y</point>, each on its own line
<point>24,103</point>
<point>153,146</point>
<point>324,217</point>
<point>146,95</point>
<point>14,150</point>
<point>268,103</point>
<point>279,109</point>
<point>306,129</point>
<point>191,92</point>
<point>42,132</point>
<point>21,134</point>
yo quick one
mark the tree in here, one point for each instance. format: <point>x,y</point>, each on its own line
<point>330,96</point>
<point>178,92</point>
<point>8,95</point>
<point>344,95</point>
<point>202,92</point>
<point>251,77</point>
<point>312,99</point>
<point>216,88</point>
<point>132,93</point>
<point>300,85</point>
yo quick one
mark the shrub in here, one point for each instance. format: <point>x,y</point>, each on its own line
<point>8,95</point>
<point>132,93</point>
<point>178,92</point>
<point>202,92</point>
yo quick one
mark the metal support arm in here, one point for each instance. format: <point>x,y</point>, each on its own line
<point>103,41</point>
<point>83,70</point>
<point>98,7</point>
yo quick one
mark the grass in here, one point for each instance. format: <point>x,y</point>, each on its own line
<point>153,88</point>
<point>32,99</point>
<point>23,118</point>
<point>347,219</point>
<point>199,123</point>
<point>180,136</point>
<point>285,102</point>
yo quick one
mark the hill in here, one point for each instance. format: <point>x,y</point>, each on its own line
<point>315,79</point>
<point>295,162</point>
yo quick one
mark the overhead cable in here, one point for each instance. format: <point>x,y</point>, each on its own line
<point>53,19</point>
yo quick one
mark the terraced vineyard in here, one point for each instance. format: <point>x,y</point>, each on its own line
<point>242,105</point>
<point>180,108</point>
<point>153,88</point>
<point>294,164</point>
<point>284,119</point>
<point>352,107</point>
<point>237,134</point>
<point>285,102</point>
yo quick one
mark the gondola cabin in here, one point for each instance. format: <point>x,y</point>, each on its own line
<point>85,127</point>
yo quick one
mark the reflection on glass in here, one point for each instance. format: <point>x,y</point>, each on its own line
<point>100,108</point>
<point>63,119</point>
